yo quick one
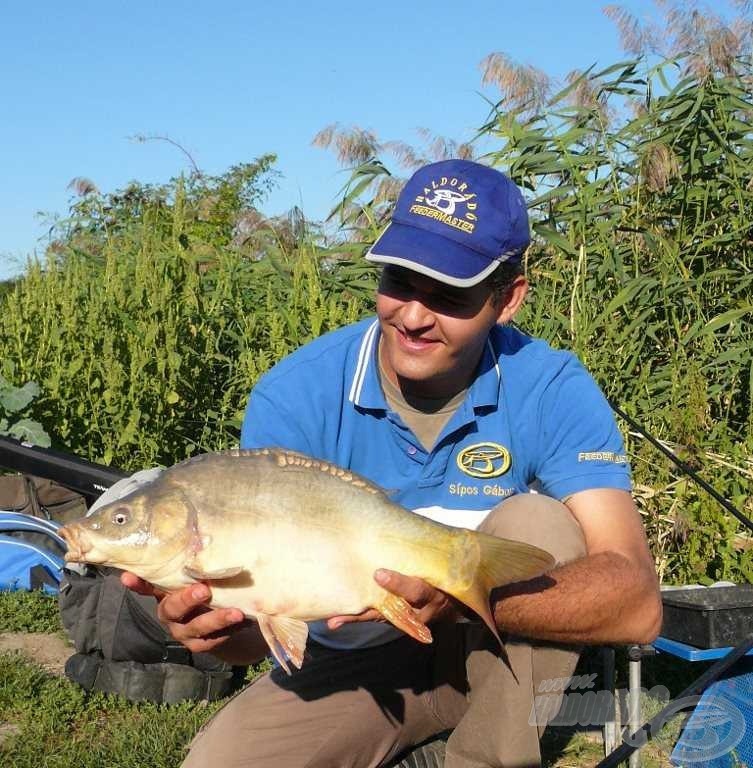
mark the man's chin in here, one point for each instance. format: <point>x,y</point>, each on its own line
<point>432,386</point>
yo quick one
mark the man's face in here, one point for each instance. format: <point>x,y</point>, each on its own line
<point>432,334</point>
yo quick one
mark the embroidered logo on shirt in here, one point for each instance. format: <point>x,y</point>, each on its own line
<point>449,201</point>
<point>610,456</point>
<point>484,460</point>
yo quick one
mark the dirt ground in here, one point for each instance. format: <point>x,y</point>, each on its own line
<point>49,651</point>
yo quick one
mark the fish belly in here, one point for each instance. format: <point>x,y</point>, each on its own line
<point>310,580</point>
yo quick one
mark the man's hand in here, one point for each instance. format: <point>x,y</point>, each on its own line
<point>187,617</point>
<point>430,604</point>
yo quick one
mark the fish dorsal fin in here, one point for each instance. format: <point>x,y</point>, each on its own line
<point>285,458</point>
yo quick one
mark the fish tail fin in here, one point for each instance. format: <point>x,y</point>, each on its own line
<point>477,599</point>
<point>500,561</point>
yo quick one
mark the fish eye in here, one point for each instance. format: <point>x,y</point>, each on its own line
<point>120,516</point>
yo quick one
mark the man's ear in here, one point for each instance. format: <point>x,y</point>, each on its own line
<point>512,299</point>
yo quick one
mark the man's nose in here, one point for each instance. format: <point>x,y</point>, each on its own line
<point>416,315</point>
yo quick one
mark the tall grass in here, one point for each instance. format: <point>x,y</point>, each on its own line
<point>644,269</point>
<point>147,353</point>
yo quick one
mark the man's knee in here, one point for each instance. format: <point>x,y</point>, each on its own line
<point>241,733</point>
<point>539,520</point>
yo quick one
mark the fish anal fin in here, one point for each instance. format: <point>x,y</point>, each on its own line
<point>269,636</point>
<point>285,637</point>
<point>200,574</point>
<point>399,612</point>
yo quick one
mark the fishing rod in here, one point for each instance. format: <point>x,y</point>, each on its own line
<point>85,477</point>
<point>684,467</point>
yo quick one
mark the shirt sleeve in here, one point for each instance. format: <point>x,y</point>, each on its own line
<point>580,445</point>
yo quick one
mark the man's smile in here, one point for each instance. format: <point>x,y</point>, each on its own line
<point>414,343</point>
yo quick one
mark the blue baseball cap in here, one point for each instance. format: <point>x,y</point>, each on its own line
<point>455,221</point>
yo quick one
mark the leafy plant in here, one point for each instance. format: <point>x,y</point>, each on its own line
<point>147,352</point>
<point>14,401</point>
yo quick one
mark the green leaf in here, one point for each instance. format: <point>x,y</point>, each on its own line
<point>725,319</point>
<point>31,432</point>
<point>555,238</point>
<point>628,68</point>
<point>14,399</point>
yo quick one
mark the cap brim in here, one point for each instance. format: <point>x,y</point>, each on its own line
<point>432,255</point>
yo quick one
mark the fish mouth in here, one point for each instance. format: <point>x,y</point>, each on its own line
<point>78,547</point>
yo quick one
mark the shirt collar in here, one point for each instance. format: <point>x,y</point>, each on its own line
<point>366,390</point>
<point>484,391</point>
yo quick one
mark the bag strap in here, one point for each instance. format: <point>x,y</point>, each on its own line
<point>31,492</point>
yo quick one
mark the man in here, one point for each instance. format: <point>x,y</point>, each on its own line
<point>458,416</point>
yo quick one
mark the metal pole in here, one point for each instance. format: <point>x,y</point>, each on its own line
<point>634,702</point>
<point>611,725</point>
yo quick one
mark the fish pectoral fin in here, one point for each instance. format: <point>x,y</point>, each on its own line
<point>200,574</point>
<point>399,612</point>
<point>285,637</point>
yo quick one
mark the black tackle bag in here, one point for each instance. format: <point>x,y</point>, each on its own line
<point>122,648</point>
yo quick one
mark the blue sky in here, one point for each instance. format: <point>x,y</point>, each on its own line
<point>230,81</point>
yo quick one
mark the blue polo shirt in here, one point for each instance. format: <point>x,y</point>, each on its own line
<point>533,418</point>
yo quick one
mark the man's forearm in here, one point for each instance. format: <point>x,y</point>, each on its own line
<point>601,598</point>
